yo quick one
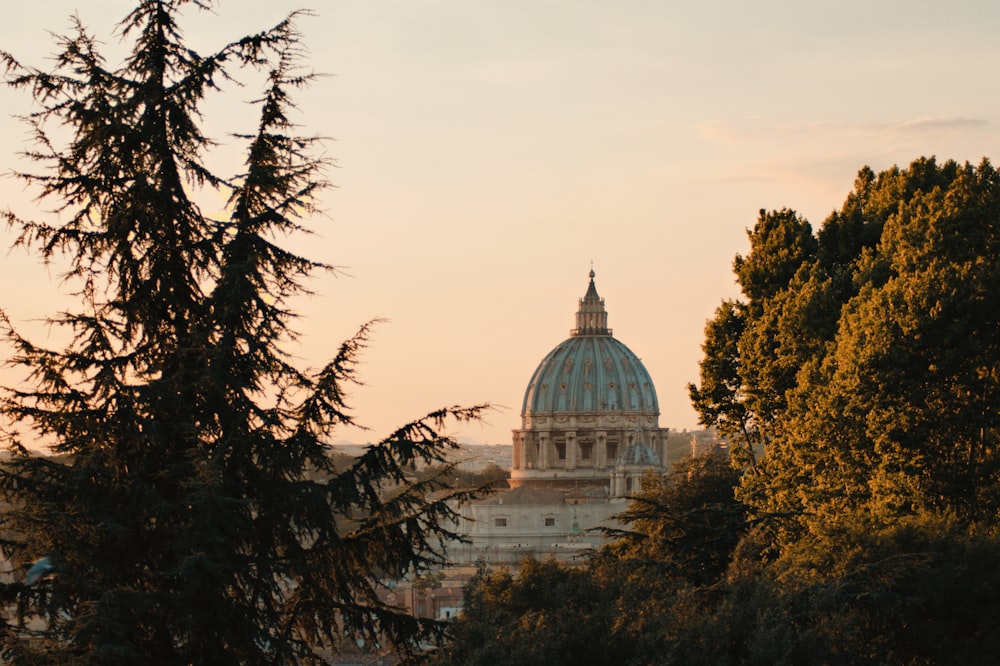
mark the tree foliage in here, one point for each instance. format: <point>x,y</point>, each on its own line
<point>868,356</point>
<point>631,603</point>
<point>490,477</point>
<point>191,512</point>
<point>549,613</point>
<point>860,593</point>
<point>864,358</point>
<point>685,524</point>
<point>722,400</point>
<point>678,537</point>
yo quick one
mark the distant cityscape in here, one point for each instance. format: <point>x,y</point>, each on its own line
<point>474,456</point>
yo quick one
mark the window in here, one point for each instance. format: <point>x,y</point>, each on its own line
<point>550,521</point>
<point>561,450</point>
<point>500,522</point>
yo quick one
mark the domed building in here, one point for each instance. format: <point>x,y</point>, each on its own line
<point>589,418</point>
<point>589,431</point>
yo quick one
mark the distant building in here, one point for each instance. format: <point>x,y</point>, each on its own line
<point>508,526</point>
<point>441,599</point>
<point>707,442</point>
<point>589,432</point>
<point>478,457</point>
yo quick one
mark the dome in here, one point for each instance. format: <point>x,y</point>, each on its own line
<point>638,454</point>
<point>590,374</point>
<point>590,371</point>
<point>589,419</point>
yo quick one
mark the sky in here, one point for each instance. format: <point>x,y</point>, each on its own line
<point>486,155</point>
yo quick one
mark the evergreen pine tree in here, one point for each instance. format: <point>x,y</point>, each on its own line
<point>190,513</point>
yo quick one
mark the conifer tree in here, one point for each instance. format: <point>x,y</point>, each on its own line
<point>190,513</point>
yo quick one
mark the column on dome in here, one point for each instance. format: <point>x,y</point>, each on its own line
<point>517,458</point>
<point>601,449</point>
<point>585,447</point>
<point>529,450</point>
<point>543,450</point>
<point>657,442</point>
<point>571,450</point>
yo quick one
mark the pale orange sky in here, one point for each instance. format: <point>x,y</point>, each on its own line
<point>487,152</point>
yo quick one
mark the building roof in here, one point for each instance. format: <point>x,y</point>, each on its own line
<point>638,454</point>
<point>526,495</point>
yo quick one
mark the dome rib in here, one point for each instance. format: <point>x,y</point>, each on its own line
<point>590,374</point>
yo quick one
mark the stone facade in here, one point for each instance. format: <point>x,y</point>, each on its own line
<point>589,431</point>
<point>509,526</point>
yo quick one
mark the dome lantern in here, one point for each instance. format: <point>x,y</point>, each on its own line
<point>591,318</point>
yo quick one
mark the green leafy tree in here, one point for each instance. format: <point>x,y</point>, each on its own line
<point>191,513</point>
<point>549,613</point>
<point>666,564</point>
<point>636,603</point>
<point>900,415</point>
<point>721,400</point>
<point>685,524</point>
<point>746,371</point>
<point>490,477</point>
<point>860,593</point>
<point>866,359</point>
<point>780,243</point>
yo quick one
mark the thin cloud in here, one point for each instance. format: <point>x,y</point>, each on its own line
<point>753,128</point>
<point>939,124</point>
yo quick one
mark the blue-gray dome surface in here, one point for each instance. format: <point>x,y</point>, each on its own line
<point>638,454</point>
<point>590,373</point>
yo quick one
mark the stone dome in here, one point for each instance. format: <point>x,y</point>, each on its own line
<point>590,371</point>
<point>590,418</point>
<point>638,454</point>
<point>590,374</point>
